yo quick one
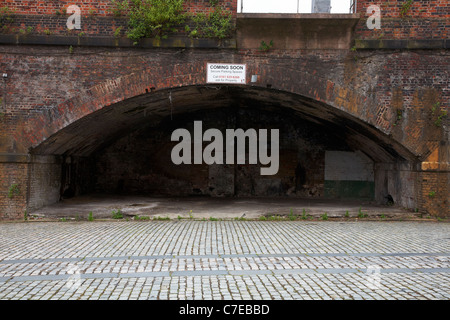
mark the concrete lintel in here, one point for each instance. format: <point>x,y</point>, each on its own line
<point>303,16</point>
<point>392,44</point>
<point>27,158</point>
<point>93,41</point>
<point>48,159</point>
<point>14,158</point>
<point>296,31</point>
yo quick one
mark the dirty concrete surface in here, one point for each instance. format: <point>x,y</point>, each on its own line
<point>102,206</point>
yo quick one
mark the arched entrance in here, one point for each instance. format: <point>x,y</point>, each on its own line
<point>324,152</point>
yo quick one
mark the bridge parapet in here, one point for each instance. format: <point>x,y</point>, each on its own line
<point>398,20</point>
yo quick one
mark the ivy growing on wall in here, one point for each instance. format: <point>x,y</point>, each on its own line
<point>13,190</point>
<point>150,18</point>
<point>6,17</point>
<point>216,24</point>
<point>158,18</point>
<point>406,6</point>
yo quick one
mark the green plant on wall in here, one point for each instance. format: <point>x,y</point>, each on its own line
<point>158,18</point>
<point>216,24</point>
<point>92,12</point>
<point>13,190</point>
<point>399,116</point>
<point>117,32</point>
<point>441,116</point>
<point>6,17</point>
<point>150,18</point>
<point>405,7</point>
<point>266,47</point>
<point>441,113</point>
<point>119,7</point>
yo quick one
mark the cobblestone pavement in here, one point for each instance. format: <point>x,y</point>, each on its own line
<point>225,260</point>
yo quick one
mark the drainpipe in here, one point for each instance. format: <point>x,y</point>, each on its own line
<point>353,6</point>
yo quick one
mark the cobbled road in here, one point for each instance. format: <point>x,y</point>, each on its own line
<point>190,259</point>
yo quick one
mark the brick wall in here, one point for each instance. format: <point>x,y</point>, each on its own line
<point>395,91</point>
<point>433,193</point>
<point>423,19</point>
<point>48,88</point>
<point>47,170</point>
<point>13,206</point>
<point>97,17</point>
<point>97,8</point>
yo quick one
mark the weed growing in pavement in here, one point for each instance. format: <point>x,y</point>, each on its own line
<point>117,214</point>
<point>304,215</point>
<point>361,214</point>
<point>291,216</point>
<point>161,218</point>
<point>142,218</point>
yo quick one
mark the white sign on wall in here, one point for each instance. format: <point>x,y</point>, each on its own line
<point>225,73</point>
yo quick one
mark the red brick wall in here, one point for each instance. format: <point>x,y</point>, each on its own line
<point>96,16</point>
<point>12,208</point>
<point>49,88</point>
<point>47,170</point>
<point>425,19</point>
<point>49,83</point>
<point>433,193</point>
<point>99,8</point>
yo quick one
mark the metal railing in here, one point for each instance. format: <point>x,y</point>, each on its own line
<point>352,8</point>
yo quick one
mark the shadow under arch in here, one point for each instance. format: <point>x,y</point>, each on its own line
<point>98,130</point>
